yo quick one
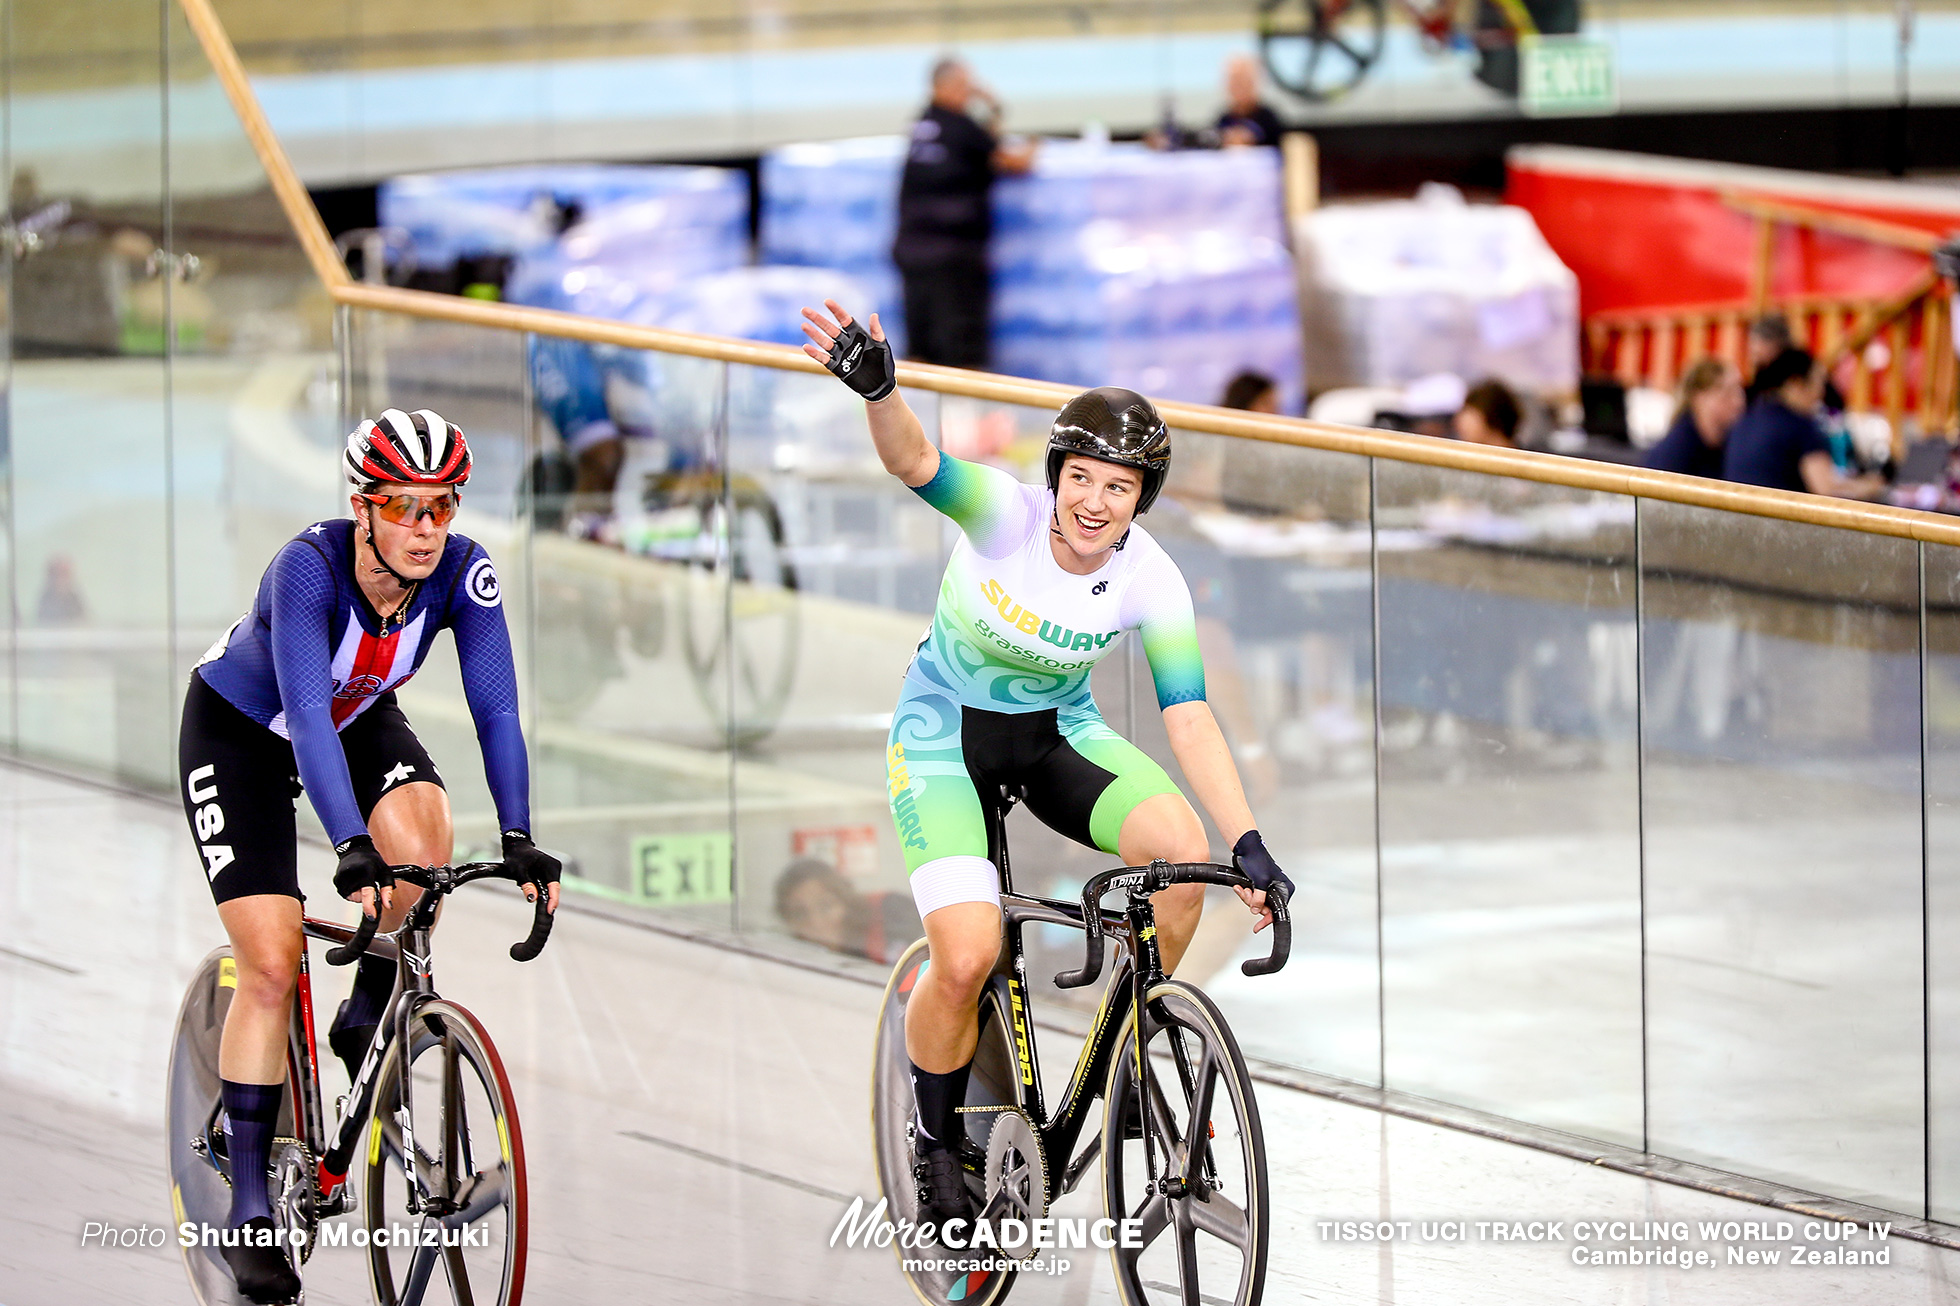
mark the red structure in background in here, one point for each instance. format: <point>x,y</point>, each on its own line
<point>1675,256</point>
<point>1647,232</point>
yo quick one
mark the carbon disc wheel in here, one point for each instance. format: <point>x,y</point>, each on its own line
<point>990,1090</point>
<point>200,1178</point>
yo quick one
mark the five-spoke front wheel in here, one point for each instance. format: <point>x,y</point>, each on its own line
<point>454,1230</point>
<point>1183,1156</point>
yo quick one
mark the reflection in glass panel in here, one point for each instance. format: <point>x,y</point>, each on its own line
<point>624,495</point>
<point>837,566</point>
<point>1509,798</point>
<point>473,377</point>
<point>1273,542</point>
<point>90,311</point>
<point>255,423</point>
<point>1783,873</point>
<point>1941,697</point>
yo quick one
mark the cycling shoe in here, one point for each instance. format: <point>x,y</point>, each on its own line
<point>943,1194</point>
<point>262,1272</point>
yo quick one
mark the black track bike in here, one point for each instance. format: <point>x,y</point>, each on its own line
<point>430,1121</point>
<point>1181,1149</point>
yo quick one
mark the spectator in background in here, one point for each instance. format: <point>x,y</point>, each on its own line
<point>61,602</point>
<point>945,218</point>
<point>1489,415</point>
<point>1252,392</point>
<point>821,906</point>
<point>1247,119</point>
<point>1769,335</point>
<point>1711,401</point>
<point>1778,442</point>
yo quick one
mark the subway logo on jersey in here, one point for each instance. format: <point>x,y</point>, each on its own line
<point>1029,623</point>
<point>905,808</point>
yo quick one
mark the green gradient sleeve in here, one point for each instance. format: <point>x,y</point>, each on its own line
<point>993,509</point>
<point>1162,616</point>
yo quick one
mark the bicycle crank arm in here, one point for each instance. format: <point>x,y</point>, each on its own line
<point>481,1193</point>
<point>996,1209</point>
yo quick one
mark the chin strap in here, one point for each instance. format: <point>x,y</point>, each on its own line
<point>375,549</point>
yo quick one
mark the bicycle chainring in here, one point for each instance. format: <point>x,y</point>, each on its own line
<point>296,1190</point>
<point>1017,1169</point>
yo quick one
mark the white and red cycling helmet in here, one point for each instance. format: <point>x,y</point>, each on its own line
<point>417,448</point>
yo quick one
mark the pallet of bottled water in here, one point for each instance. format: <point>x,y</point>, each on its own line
<point>1400,290</point>
<point>1164,272</point>
<point>834,204</point>
<point>665,217</point>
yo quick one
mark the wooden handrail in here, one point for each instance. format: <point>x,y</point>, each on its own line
<point>1546,469</point>
<point>1842,224</point>
<point>1714,308</point>
<point>1882,315</point>
<point>300,209</point>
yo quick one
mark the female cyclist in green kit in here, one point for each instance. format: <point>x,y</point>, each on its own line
<point>1041,584</point>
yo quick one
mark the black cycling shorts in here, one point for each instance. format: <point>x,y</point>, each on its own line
<point>945,761</point>
<point>238,781</point>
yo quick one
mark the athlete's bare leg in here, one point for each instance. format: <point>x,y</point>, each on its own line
<point>265,939</point>
<point>411,825</point>
<point>942,1019</point>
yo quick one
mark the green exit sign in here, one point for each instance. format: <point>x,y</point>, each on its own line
<point>1566,75</point>
<point>677,870</point>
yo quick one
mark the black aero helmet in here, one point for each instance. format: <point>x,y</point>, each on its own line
<point>1117,426</point>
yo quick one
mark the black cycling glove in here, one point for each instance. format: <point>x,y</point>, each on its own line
<point>533,864</point>
<point>1249,855</point>
<point>862,363</point>
<point>361,867</point>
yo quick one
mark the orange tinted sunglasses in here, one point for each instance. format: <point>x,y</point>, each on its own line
<point>409,509</point>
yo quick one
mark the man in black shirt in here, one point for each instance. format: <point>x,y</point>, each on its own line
<point>1778,442</point>
<point>944,219</point>
<point>1246,120</point>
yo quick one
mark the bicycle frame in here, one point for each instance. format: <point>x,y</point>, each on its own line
<point>409,948</point>
<point>1128,982</point>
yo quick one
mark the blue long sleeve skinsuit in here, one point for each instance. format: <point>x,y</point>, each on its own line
<point>311,656</point>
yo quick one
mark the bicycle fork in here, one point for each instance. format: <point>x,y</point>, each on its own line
<point>1149,970</point>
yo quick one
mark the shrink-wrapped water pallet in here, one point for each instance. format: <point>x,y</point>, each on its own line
<point>1401,290</point>
<point>1163,272</point>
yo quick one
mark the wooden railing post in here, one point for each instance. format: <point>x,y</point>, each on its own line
<point>1728,342</point>
<point>1895,379</point>
<point>1660,364</point>
<point>1759,268</point>
<point>1936,345</point>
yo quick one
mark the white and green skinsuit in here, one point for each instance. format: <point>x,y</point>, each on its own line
<point>998,692</point>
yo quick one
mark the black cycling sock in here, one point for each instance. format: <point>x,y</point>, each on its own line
<point>939,1099</point>
<point>374,980</point>
<point>251,1113</point>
